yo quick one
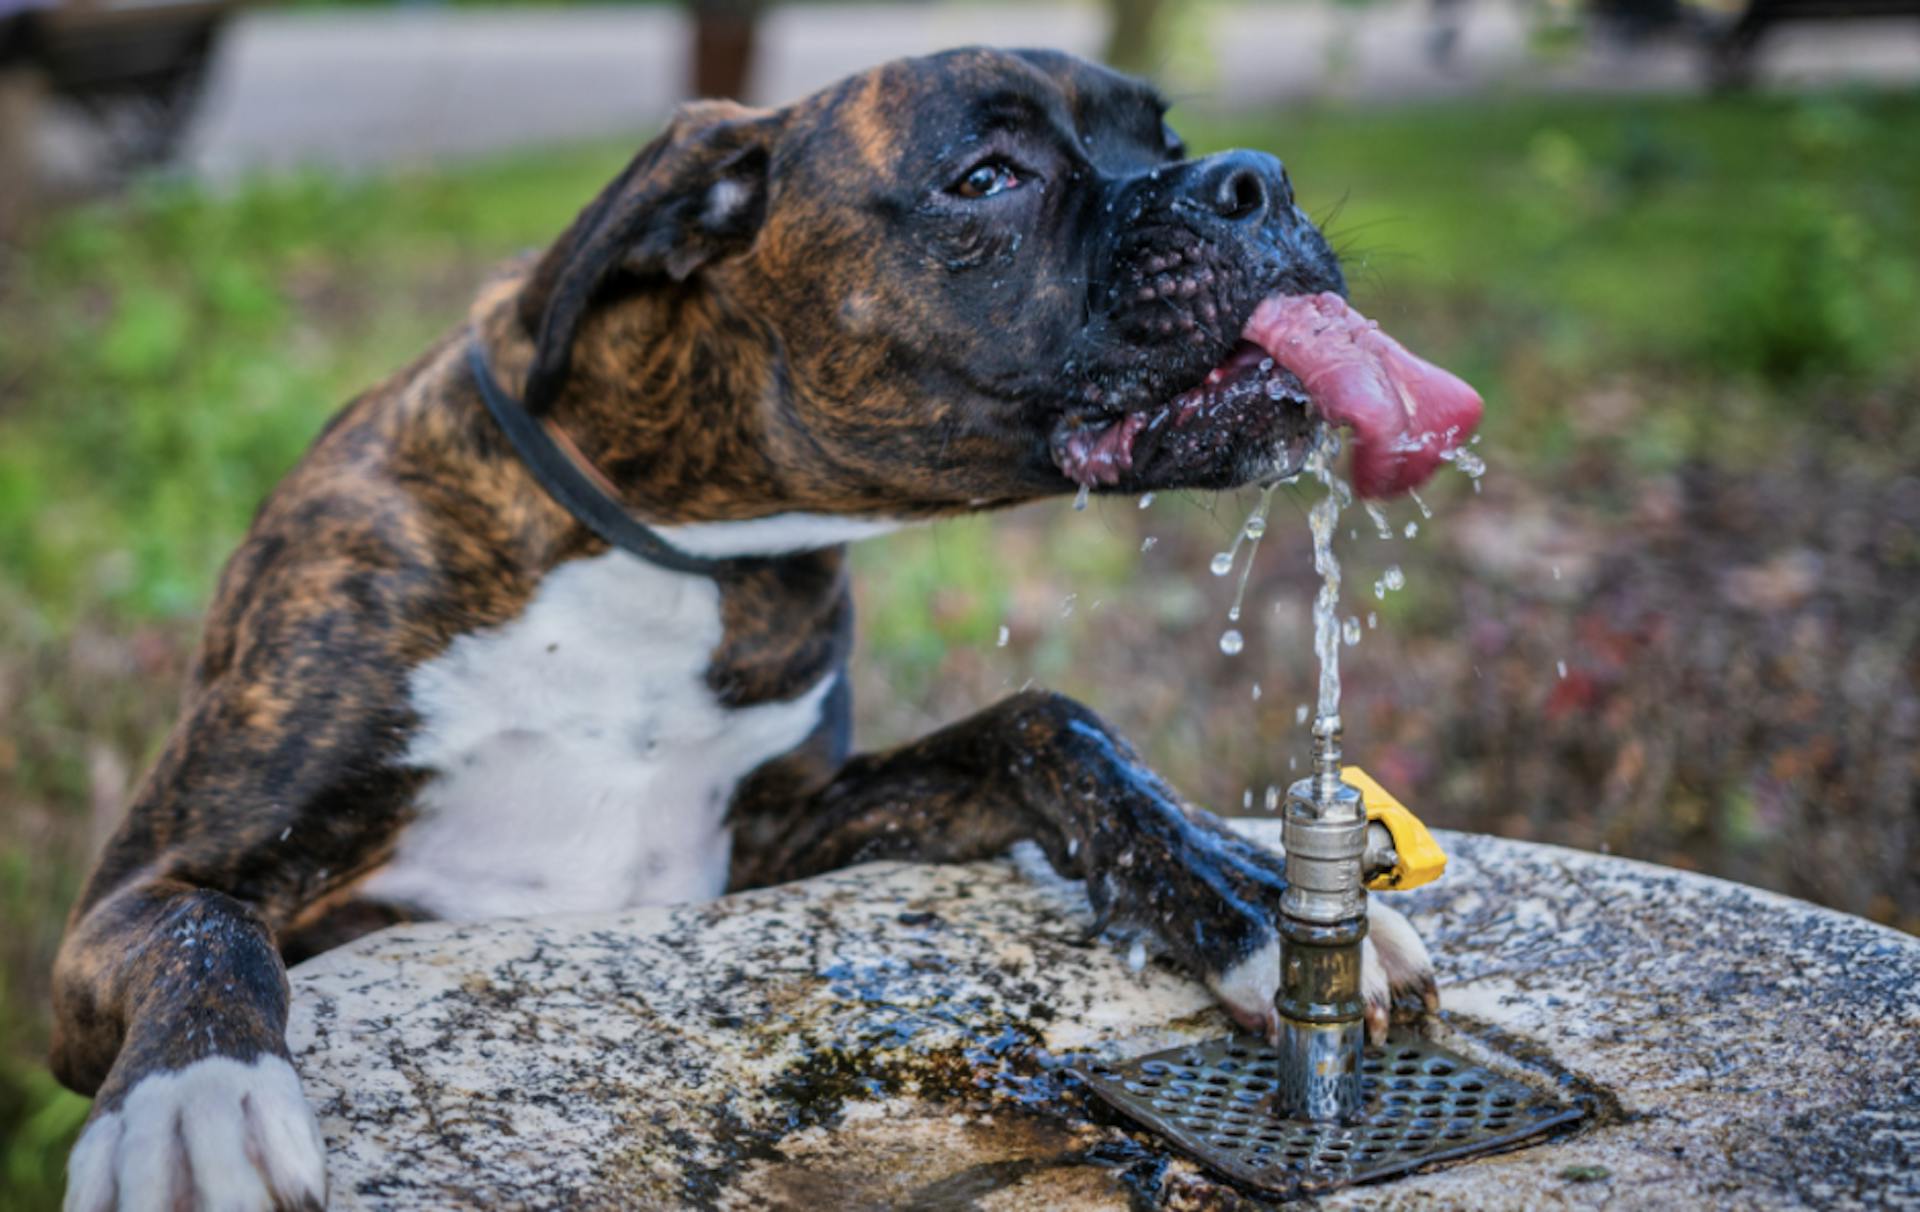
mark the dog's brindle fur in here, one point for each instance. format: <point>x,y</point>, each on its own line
<point>770,314</point>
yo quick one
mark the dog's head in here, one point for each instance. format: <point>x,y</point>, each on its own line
<point>975,278</point>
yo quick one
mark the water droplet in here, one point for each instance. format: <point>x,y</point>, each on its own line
<point>1350,631</point>
<point>1246,800</point>
<point>1381,526</point>
<point>1393,578</point>
<point>1222,563</point>
<point>1256,692</point>
<point>1146,499</point>
<point>1556,572</point>
<point>1137,955</point>
<point>1231,642</point>
<point>1005,635</point>
<point>1373,621</point>
<point>1300,714</point>
<point>1256,526</point>
<point>1147,543</point>
<point>1562,667</point>
<point>1080,498</point>
<point>1067,603</point>
<point>1273,798</point>
<point>1233,613</point>
<point>1469,463</point>
<point>1413,528</point>
<point>1425,510</point>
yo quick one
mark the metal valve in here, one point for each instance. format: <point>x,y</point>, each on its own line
<point>1343,834</point>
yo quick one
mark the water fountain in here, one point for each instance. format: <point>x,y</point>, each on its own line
<point>1317,1107</point>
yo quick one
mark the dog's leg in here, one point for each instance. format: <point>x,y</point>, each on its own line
<point>172,1001</point>
<point>1041,766</point>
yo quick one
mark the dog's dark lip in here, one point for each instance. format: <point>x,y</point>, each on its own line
<point>1102,449</point>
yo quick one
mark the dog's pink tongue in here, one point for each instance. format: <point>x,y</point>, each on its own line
<point>1404,411</point>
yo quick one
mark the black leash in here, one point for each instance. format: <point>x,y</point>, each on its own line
<point>571,485</point>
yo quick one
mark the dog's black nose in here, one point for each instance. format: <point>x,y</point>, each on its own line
<point>1243,186</point>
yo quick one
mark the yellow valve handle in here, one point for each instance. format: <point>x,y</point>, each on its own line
<point>1421,859</point>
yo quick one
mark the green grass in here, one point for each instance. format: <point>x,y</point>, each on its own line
<point>166,356</point>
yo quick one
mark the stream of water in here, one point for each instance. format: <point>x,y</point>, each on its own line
<point>1330,632</point>
<point>1323,520</point>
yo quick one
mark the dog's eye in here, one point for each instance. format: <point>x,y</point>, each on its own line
<point>985,179</point>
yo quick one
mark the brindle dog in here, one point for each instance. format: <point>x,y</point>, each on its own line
<point>428,690</point>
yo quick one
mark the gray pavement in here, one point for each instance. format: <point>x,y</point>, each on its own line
<point>361,89</point>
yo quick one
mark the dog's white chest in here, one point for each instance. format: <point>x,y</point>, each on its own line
<point>581,762</point>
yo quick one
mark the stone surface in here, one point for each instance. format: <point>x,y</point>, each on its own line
<point>892,1037</point>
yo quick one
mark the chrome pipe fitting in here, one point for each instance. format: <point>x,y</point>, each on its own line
<point>1323,921</point>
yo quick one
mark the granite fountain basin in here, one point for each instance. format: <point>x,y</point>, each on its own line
<point>900,1036</point>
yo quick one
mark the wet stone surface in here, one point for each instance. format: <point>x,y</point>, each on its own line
<point>896,1036</point>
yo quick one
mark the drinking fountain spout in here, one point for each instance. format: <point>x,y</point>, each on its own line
<point>1323,921</point>
<point>1319,1106</point>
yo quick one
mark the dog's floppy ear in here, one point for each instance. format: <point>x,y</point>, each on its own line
<point>696,193</point>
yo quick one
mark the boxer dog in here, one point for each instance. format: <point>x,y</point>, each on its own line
<point>556,619</point>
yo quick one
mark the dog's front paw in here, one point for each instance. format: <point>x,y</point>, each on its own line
<point>220,1135</point>
<point>1394,967</point>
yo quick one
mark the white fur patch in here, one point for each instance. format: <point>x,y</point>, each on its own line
<point>219,1135</point>
<point>777,535</point>
<point>582,762</point>
<point>1248,988</point>
<point>1393,960</point>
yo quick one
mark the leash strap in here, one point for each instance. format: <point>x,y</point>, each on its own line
<point>574,484</point>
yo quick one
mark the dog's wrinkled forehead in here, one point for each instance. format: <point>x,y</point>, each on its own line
<point>911,114</point>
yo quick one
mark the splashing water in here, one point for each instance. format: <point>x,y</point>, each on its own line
<point>1378,516</point>
<point>1468,463</point>
<point>1080,498</point>
<point>1146,499</point>
<point>1322,520</point>
<point>1253,531</point>
<point>1250,532</point>
<point>1350,631</point>
<point>1391,581</point>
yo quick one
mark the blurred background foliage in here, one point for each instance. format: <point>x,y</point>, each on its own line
<point>1680,619</point>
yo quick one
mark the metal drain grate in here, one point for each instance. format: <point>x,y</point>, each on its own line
<point>1422,1104</point>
